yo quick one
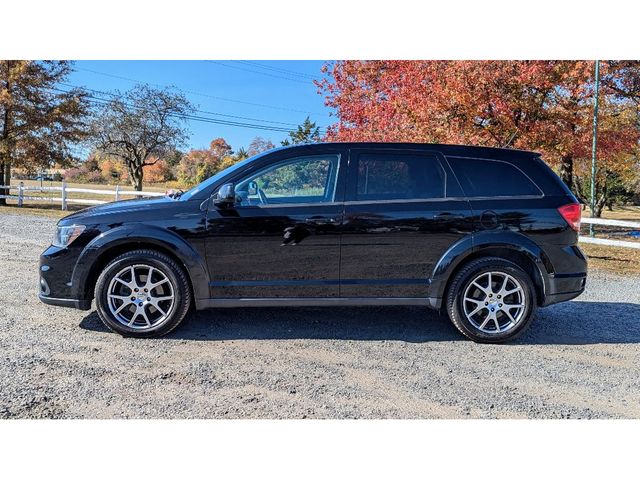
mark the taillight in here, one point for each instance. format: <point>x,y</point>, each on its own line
<point>572,213</point>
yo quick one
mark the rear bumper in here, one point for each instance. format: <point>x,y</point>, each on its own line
<point>563,287</point>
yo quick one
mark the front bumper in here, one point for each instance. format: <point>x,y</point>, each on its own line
<point>55,285</point>
<point>66,302</point>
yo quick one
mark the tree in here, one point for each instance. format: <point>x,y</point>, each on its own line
<point>141,126</point>
<point>39,122</point>
<point>198,165</point>
<point>241,154</point>
<point>307,132</point>
<point>545,106</point>
<point>219,148</point>
<point>259,145</point>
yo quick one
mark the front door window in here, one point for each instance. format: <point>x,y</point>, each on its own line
<point>309,179</point>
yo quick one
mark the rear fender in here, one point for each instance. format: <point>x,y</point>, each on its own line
<point>487,243</point>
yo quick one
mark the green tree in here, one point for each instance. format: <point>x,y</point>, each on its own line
<point>39,122</point>
<point>307,132</point>
<point>140,127</point>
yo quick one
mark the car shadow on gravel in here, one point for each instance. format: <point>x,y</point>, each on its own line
<point>572,323</point>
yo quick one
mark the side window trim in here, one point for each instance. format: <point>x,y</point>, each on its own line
<point>484,197</point>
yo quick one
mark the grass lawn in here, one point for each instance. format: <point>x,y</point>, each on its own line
<point>53,209</point>
<point>631,213</point>
<point>623,261</point>
<point>80,195</point>
<point>44,210</point>
<point>156,187</point>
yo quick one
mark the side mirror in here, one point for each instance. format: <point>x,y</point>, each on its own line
<point>226,196</point>
<point>252,188</point>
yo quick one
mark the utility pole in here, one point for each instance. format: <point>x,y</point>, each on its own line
<point>594,145</point>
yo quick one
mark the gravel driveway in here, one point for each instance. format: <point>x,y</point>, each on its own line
<point>579,359</point>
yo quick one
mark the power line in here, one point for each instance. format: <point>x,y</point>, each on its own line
<point>191,92</point>
<point>281,70</point>
<point>306,82</point>
<point>111,94</point>
<point>197,118</point>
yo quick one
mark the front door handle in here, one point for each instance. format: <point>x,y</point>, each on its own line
<point>321,220</point>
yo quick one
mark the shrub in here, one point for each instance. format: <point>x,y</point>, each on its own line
<point>158,172</point>
<point>74,175</point>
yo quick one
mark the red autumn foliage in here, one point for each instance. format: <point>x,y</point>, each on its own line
<point>545,106</point>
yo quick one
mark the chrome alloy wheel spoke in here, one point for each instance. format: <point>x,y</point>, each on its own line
<point>139,302</point>
<point>494,302</point>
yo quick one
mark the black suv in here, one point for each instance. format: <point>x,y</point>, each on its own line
<point>485,234</point>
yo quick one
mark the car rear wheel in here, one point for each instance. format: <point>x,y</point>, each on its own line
<point>142,293</point>
<point>491,300</point>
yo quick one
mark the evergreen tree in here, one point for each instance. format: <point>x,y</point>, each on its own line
<point>307,132</point>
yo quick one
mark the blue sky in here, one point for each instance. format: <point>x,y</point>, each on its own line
<point>266,91</point>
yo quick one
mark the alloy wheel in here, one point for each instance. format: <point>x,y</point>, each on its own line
<point>494,302</point>
<point>140,296</point>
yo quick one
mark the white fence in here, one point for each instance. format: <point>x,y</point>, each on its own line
<point>611,223</point>
<point>64,198</point>
<point>117,193</point>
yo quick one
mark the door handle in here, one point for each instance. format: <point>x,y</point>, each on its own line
<point>321,220</point>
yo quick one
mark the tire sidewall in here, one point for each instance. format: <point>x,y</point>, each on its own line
<point>466,276</point>
<point>174,316</point>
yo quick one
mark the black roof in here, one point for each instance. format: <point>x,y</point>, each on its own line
<point>445,149</point>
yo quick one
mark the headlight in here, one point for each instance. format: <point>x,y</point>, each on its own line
<point>65,235</point>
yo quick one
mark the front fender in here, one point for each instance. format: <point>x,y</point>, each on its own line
<point>145,236</point>
<point>472,246</point>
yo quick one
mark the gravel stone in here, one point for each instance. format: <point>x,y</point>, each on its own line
<point>578,360</point>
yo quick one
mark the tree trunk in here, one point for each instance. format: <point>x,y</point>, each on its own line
<point>5,180</point>
<point>578,192</point>
<point>601,202</point>
<point>2,190</point>
<point>136,177</point>
<point>566,170</point>
<point>5,147</point>
<point>7,175</point>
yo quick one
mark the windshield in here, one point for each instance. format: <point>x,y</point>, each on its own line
<point>189,194</point>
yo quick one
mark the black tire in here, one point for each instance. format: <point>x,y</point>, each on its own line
<point>162,265</point>
<point>463,280</point>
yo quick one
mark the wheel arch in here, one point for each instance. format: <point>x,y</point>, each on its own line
<point>510,246</point>
<point>104,248</point>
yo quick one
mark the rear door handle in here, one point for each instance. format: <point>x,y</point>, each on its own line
<point>321,220</point>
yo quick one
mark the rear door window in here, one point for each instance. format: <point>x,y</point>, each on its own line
<point>393,176</point>
<point>492,178</point>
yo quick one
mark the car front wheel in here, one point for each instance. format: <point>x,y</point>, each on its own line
<point>491,300</point>
<point>142,293</point>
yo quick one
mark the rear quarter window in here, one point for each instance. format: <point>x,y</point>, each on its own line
<point>492,178</point>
